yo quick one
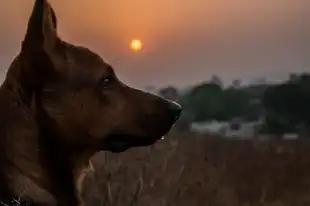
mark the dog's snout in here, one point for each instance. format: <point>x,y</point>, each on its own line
<point>175,110</point>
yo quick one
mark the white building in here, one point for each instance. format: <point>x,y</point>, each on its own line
<point>232,129</point>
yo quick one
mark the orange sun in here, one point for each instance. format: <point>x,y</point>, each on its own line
<point>136,44</point>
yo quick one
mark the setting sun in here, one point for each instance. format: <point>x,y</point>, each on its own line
<point>136,45</point>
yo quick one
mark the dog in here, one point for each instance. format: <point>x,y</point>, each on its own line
<point>60,104</point>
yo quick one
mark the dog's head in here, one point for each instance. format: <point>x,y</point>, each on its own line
<point>79,97</point>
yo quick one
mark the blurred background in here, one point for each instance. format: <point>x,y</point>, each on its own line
<point>240,70</point>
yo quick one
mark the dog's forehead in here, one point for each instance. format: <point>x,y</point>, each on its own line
<point>84,61</point>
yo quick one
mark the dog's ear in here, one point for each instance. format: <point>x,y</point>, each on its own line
<point>40,46</point>
<point>42,27</point>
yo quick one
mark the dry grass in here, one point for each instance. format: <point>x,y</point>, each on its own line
<point>188,170</point>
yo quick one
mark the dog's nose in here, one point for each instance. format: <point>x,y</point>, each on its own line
<point>175,109</point>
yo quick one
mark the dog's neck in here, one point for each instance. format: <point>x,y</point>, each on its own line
<point>43,171</point>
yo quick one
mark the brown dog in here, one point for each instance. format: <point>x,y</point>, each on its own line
<point>60,104</point>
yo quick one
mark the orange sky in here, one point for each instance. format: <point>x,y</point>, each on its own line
<point>184,41</point>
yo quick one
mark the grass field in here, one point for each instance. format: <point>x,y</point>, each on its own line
<point>189,170</point>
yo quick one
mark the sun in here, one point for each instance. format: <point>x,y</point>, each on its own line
<point>136,44</point>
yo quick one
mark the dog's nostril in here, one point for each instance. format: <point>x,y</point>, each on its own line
<point>176,109</point>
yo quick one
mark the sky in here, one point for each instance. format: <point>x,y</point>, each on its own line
<point>185,42</point>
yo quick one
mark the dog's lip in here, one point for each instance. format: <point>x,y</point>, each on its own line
<point>121,142</point>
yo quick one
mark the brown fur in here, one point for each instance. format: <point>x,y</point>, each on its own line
<point>59,105</point>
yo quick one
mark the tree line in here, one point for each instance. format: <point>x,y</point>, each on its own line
<point>284,107</point>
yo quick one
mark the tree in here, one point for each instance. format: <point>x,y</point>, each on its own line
<point>216,80</point>
<point>235,103</point>
<point>287,105</point>
<point>236,84</point>
<point>209,101</point>
<point>169,92</point>
<point>204,101</point>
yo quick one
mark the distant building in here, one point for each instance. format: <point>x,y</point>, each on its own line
<point>212,127</point>
<point>230,129</point>
<point>255,101</point>
<point>290,136</point>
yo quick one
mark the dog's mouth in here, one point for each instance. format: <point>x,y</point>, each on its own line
<point>121,142</point>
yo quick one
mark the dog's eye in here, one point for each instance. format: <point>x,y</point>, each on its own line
<point>105,82</point>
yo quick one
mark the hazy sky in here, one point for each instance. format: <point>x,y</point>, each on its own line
<point>185,41</point>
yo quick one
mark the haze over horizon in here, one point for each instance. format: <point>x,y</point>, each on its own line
<point>184,41</point>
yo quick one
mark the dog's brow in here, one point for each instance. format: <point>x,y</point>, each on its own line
<point>110,69</point>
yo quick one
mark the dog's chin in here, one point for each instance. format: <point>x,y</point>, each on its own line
<point>120,143</point>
